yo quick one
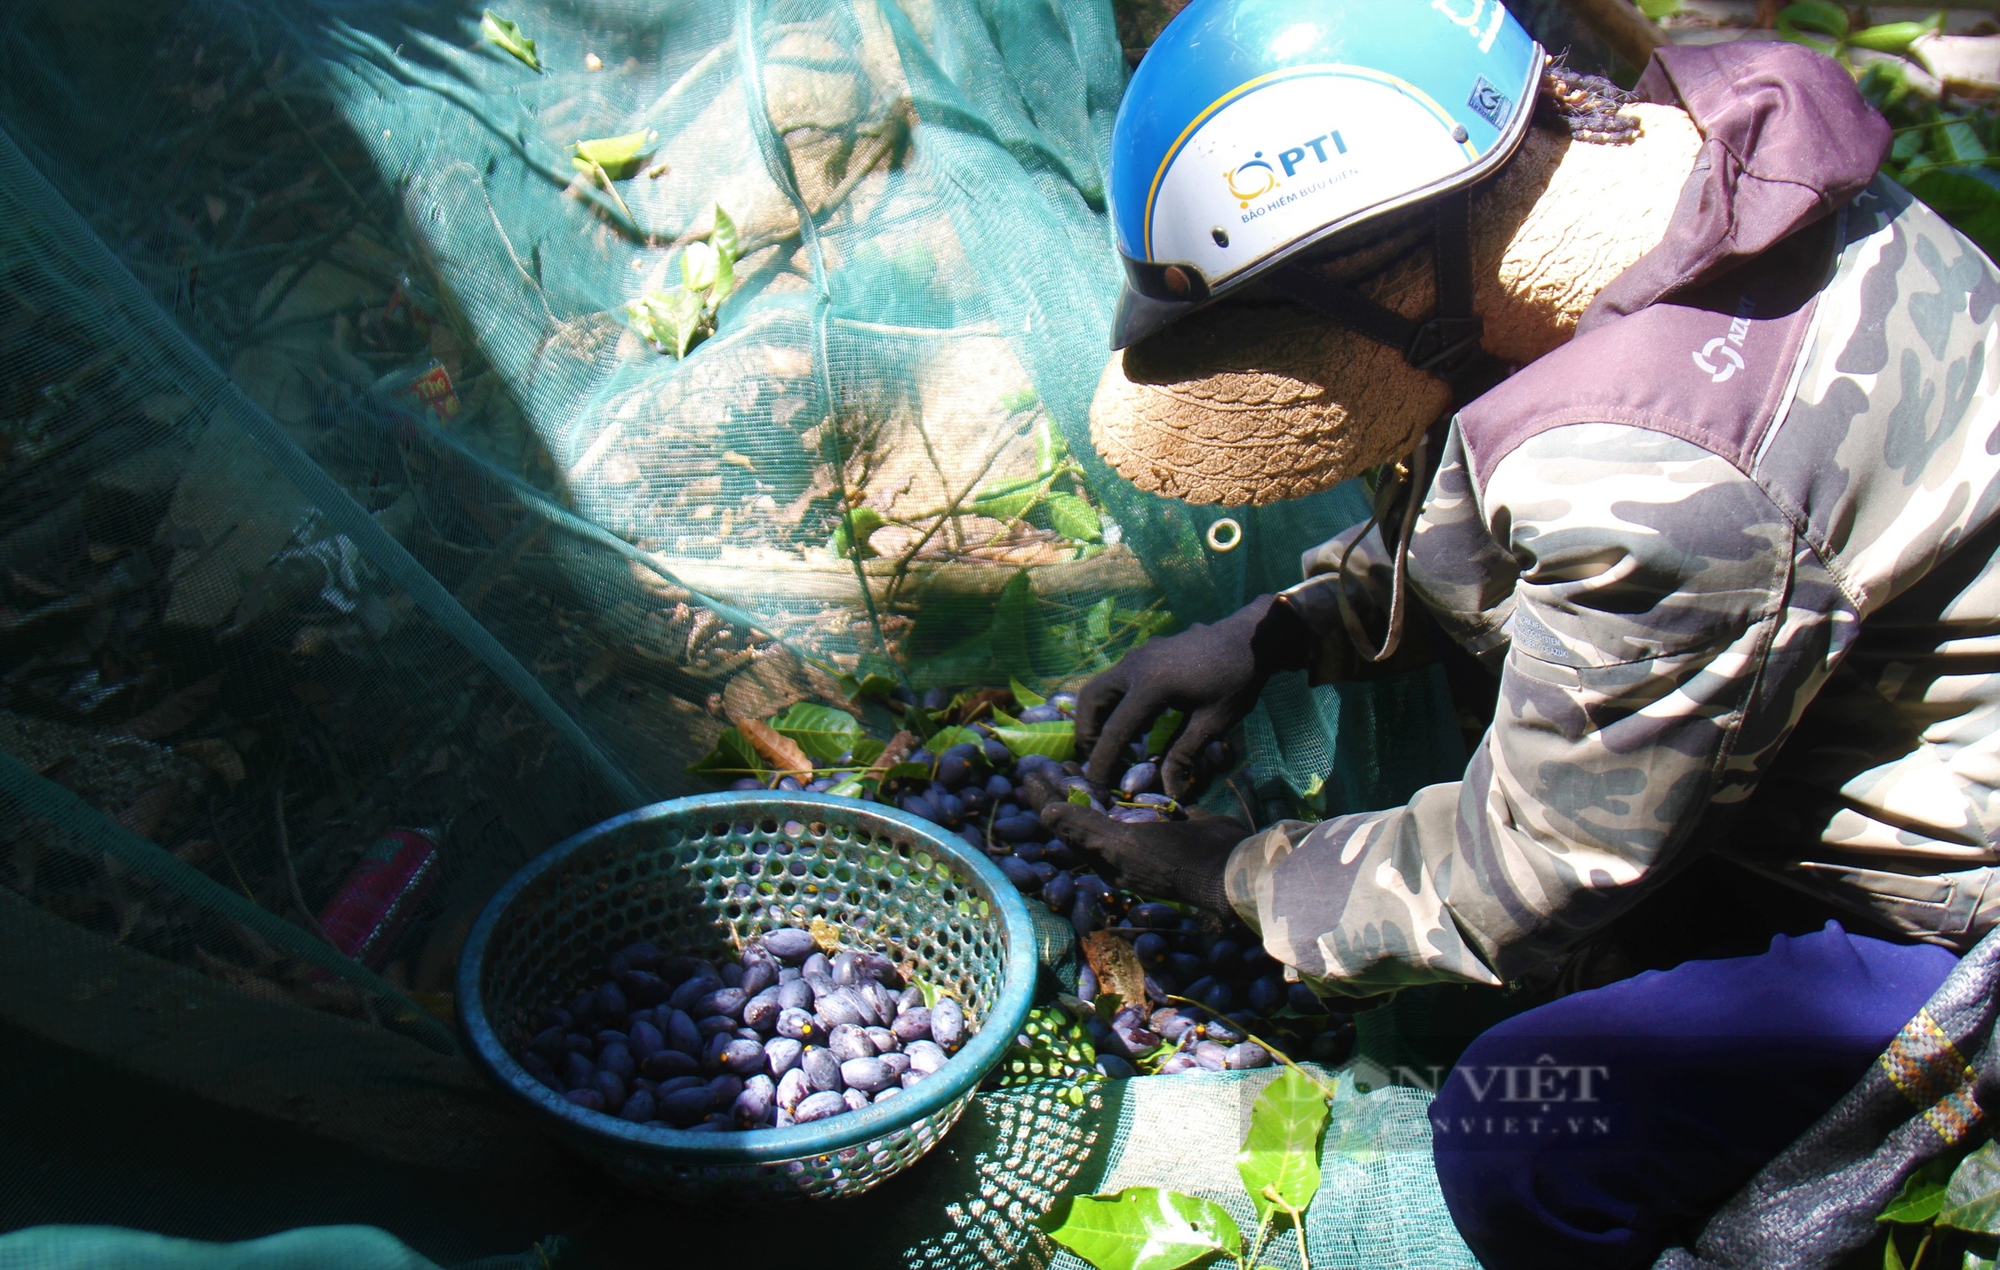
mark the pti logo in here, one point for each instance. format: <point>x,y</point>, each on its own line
<point>1255,179</point>
<point>1252,180</point>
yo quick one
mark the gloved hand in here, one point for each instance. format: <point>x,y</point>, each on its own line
<point>1211,673</point>
<point>1166,859</point>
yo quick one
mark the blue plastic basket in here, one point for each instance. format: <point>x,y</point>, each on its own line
<point>700,875</point>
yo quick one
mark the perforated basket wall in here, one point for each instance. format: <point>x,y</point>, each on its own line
<point>701,876</point>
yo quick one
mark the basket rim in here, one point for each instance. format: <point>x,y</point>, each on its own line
<point>978,1056</point>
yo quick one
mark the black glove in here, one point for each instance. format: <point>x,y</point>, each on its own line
<point>1165,859</point>
<point>1211,673</point>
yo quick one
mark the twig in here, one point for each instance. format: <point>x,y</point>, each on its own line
<point>688,78</point>
<point>1299,1224</point>
<point>361,204</point>
<point>1257,1241</point>
<point>1249,817</point>
<point>1042,488</point>
<point>306,265</point>
<point>950,510</point>
<point>285,853</point>
<point>597,170</point>
<point>1269,1048</point>
<point>888,135</point>
<point>504,556</point>
<point>215,827</point>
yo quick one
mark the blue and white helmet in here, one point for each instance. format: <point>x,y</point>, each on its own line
<point>1257,132</point>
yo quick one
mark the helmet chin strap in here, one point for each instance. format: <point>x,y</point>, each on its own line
<point>1445,345</point>
<point>1407,473</point>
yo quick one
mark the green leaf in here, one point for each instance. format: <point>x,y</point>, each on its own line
<point>1972,1197</point>
<point>1969,203</point>
<point>1892,1257</point>
<point>1922,1194</point>
<point>1957,142</point>
<point>620,157</point>
<point>1024,695</point>
<point>944,738</point>
<point>1056,740</point>
<point>1279,1162</point>
<point>872,684</point>
<point>920,721</point>
<point>1973,1261</point>
<point>1017,401</point>
<point>867,749</point>
<point>1015,618</point>
<point>509,37</point>
<point>1006,506</point>
<point>865,521</point>
<point>725,279</point>
<point>1147,622</point>
<point>1078,796</point>
<point>674,320</point>
<point>821,731</point>
<point>698,266</point>
<point>733,755</point>
<point>1005,486</point>
<point>1097,622</point>
<point>907,772</point>
<point>1892,37</point>
<point>1813,15</point>
<point>1163,731</point>
<point>1105,1005</point>
<point>928,989</point>
<point>1142,1228</point>
<point>852,787</point>
<point>1073,518</point>
<point>1049,448</point>
<point>1657,9</point>
<point>723,237</point>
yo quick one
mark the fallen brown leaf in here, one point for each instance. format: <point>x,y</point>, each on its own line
<point>982,703</point>
<point>1117,966</point>
<point>901,746</point>
<point>176,712</point>
<point>218,756</point>
<point>779,750</point>
<point>144,814</point>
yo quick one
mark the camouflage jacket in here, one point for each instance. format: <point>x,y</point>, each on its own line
<point>1731,551</point>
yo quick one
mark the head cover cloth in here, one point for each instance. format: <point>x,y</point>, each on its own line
<point>1262,399</point>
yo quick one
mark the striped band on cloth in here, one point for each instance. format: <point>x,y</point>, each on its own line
<point>1927,1068</point>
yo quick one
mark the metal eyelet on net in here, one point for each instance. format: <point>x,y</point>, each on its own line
<point>1225,535</point>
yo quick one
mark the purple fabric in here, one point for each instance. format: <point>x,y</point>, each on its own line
<point>1786,139</point>
<point>1710,366</point>
<point>1699,337</point>
<point>1604,1127</point>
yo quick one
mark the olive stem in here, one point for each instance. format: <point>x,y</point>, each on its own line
<point>1256,1243</point>
<point>1324,1088</point>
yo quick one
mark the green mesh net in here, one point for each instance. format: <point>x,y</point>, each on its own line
<point>345,495</point>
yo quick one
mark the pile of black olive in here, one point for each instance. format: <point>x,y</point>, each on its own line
<point>781,1035</point>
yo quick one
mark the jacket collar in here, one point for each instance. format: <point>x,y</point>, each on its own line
<point>1786,139</point>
